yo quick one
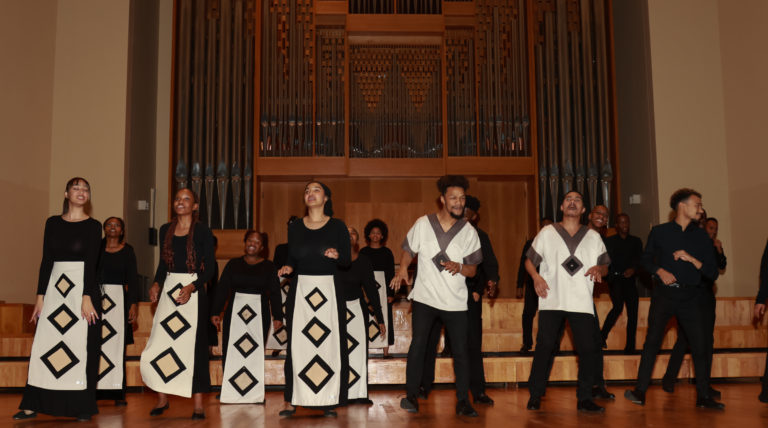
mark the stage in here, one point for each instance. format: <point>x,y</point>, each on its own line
<point>558,410</point>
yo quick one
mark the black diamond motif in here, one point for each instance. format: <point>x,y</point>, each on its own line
<point>107,331</point>
<point>66,286</point>
<point>373,331</point>
<point>572,265</point>
<point>351,343</point>
<point>175,371</point>
<point>175,325</point>
<point>246,314</point>
<point>243,374</point>
<point>59,360</point>
<point>316,299</point>
<point>62,318</point>
<point>281,335</point>
<point>316,368</point>
<point>316,331</point>
<point>173,293</point>
<point>353,377</point>
<point>350,315</point>
<point>107,304</point>
<point>105,369</point>
<point>246,345</point>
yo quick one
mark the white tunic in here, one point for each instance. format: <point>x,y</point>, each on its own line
<point>563,261</point>
<point>434,285</point>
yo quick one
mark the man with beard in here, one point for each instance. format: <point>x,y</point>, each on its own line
<point>570,258</point>
<point>449,252</point>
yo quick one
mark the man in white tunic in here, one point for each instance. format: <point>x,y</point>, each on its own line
<point>449,252</point>
<point>570,258</point>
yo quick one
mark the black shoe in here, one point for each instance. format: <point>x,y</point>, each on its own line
<point>328,413</point>
<point>463,408</point>
<point>763,397</point>
<point>668,385</point>
<point>276,352</point>
<point>409,404</point>
<point>84,418</point>
<point>714,393</point>
<point>198,416</point>
<point>602,393</point>
<point>534,403</point>
<point>709,403</point>
<point>589,406</point>
<point>157,411</point>
<point>635,396</point>
<point>21,415</point>
<point>287,412</point>
<point>526,349</point>
<point>121,403</point>
<point>484,399</point>
<point>423,393</point>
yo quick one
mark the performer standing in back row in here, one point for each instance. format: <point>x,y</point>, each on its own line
<point>376,234</point>
<point>64,360</point>
<point>317,363</point>
<point>449,252</point>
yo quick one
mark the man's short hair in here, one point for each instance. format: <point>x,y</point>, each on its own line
<point>472,203</point>
<point>621,215</point>
<point>712,219</point>
<point>446,181</point>
<point>681,195</point>
<point>572,191</point>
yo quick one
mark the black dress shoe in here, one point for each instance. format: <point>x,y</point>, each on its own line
<point>635,396</point>
<point>668,385</point>
<point>84,418</point>
<point>534,403</point>
<point>463,408</point>
<point>157,411</point>
<point>589,406</point>
<point>763,397</point>
<point>525,349</point>
<point>714,393</point>
<point>121,403</point>
<point>423,393</point>
<point>602,393</point>
<point>484,399</point>
<point>409,404</point>
<point>287,412</point>
<point>198,416</point>
<point>328,413</point>
<point>709,403</point>
<point>21,415</point>
<point>366,401</point>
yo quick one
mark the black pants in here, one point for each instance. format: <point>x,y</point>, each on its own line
<point>475,346</point>
<point>423,318</point>
<point>685,304</point>
<point>530,306</point>
<point>708,304</point>
<point>623,291</point>
<point>765,375</point>
<point>547,340</point>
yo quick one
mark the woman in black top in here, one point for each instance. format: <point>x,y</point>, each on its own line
<point>357,282</point>
<point>70,254</point>
<point>117,273</point>
<point>376,234</point>
<point>317,246</point>
<point>250,274</point>
<point>186,246</point>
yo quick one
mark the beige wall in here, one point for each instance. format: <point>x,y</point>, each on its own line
<point>26,85</point>
<point>689,111</point>
<point>743,35</point>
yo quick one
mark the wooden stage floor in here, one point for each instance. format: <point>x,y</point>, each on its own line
<point>558,411</point>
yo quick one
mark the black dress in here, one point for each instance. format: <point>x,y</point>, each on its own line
<point>205,269</point>
<point>65,241</point>
<point>306,255</point>
<point>383,260</point>
<point>240,277</point>
<point>120,268</point>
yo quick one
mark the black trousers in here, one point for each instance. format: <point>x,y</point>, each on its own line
<point>708,304</point>
<point>685,304</point>
<point>547,340</point>
<point>530,306</point>
<point>423,318</point>
<point>475,346</point>
<point>765,375</point>
<point>623,292</point>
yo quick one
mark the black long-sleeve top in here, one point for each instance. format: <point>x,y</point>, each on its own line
<point>722,261</point>
<point>625,253</point>
<point>523,278</point>
<point>382,259</point>
<point>240,277</point>
<point>65,241</point>
<point>205,257</point>
<point>488,270</point>
<point>306,248</point>
<point>120,268</point>
<point>358,277</point>
<point>762,293</point>
<point>665,239</point>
